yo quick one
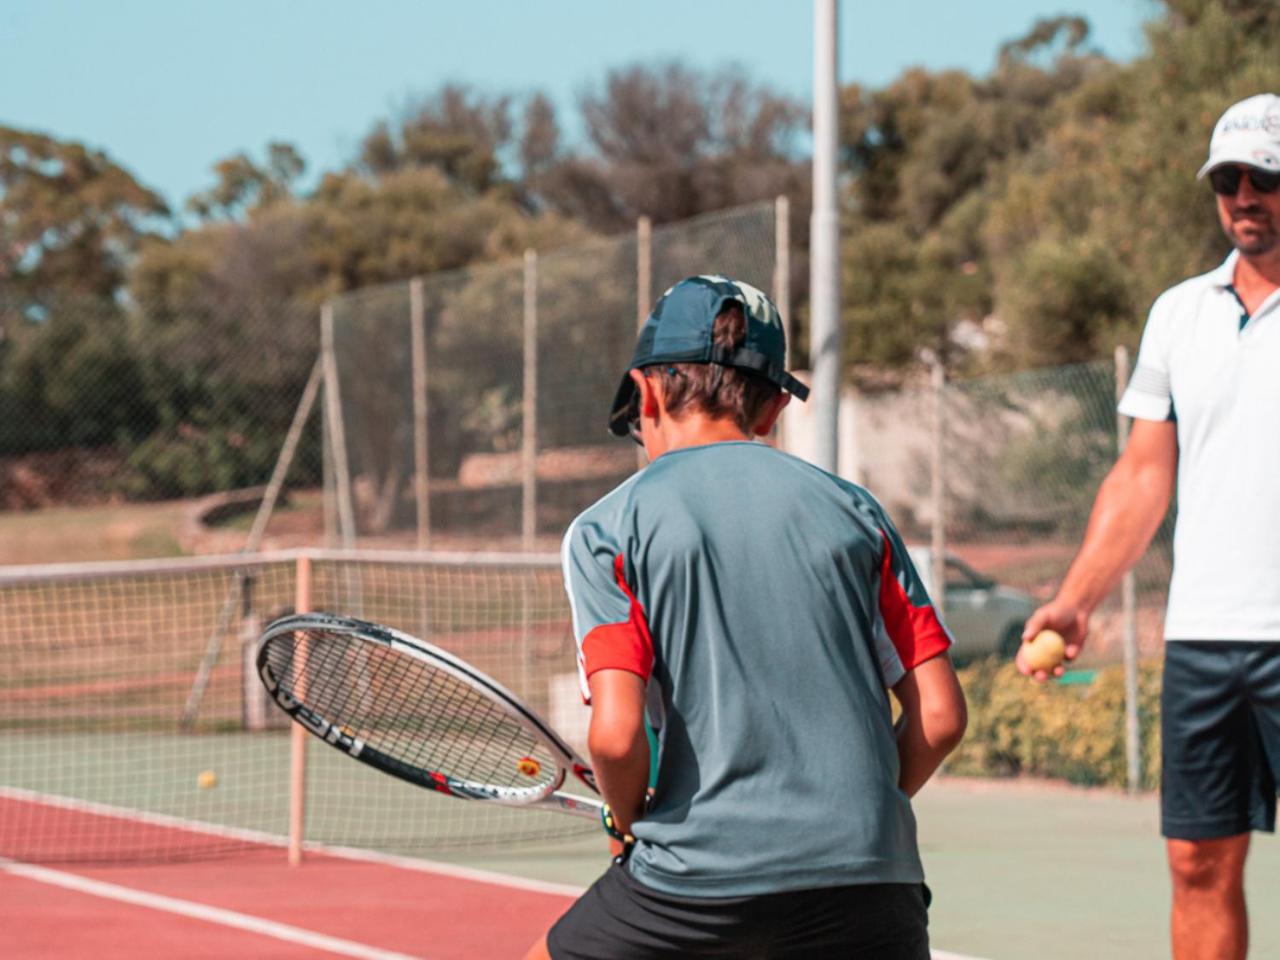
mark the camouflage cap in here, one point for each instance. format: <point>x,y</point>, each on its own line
<point>679,331</point>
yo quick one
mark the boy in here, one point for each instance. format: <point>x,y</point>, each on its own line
<point>759,610</point>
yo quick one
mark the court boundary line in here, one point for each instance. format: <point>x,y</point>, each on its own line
<point>299,936</point>
<point>421,865</point>
<point>453,871</point>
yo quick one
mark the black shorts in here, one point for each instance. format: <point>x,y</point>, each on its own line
<point>619,918</point>
<point>1220,738</point>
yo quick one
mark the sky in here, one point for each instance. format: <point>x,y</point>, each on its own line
<point>168,87</point>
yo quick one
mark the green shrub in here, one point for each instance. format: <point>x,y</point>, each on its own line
<point>1073,732</point>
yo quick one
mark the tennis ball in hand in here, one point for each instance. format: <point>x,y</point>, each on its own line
<point>1045,651</point>
<point>207,780</point>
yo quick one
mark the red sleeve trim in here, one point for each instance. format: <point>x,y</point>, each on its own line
<point>620,646</point>
<point>916,632</point>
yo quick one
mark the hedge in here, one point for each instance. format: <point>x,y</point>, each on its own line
<point>1072,732</point>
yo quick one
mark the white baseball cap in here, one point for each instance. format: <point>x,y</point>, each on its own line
<point>1248,133</point>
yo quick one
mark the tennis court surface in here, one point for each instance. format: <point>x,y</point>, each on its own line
<point>1018,870</point>
<point>147,797</point>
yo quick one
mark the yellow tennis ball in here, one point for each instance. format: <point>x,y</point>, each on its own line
<point>207,780</point>
<point>529,766</point>
<point>1045,651</point>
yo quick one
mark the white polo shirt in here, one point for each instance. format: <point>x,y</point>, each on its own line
<point>1216,371</point>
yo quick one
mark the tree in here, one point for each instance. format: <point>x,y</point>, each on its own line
<point>671,142</point>
<point>244,185</point>
<point>927,155</point>
<point>1105,211</point>
<point>70,218</point>
<point>455,131</point>
<point>72,380</point>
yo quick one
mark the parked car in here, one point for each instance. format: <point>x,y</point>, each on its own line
<point>984,617</point>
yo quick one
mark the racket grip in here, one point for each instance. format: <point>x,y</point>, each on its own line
<point>611,827</point>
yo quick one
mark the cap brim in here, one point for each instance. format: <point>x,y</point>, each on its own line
<point>1249,160</point>
<point>1209,165</point>
<point>621,401</point>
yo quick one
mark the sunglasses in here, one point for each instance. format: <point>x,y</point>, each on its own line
<point>633,408</point>
<point>633,420</point>
<point>1226,180</point>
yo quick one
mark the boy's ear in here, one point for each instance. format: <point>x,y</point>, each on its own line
<point>769,415</point>
<point>648,393</point>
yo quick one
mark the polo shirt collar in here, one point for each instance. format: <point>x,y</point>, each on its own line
<point>1224,275</point>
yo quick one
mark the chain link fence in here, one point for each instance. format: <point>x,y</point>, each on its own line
<point>466,410</point>
<point>116,421</point>
<point>1021,458</point>
<point>462,410</point>
<point>471,406</point>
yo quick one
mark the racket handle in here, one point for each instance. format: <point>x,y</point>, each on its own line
<point>577,806</point>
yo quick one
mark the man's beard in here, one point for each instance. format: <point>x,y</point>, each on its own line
<point>1264,241</point>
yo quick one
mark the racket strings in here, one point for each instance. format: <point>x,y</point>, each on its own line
<point>415,712</point>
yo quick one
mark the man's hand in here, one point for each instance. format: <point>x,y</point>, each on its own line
<point>1068,619</point>
<point>1126,513</point>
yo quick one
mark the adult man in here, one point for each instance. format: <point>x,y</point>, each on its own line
<point>759,610</point>
<point>1206,398</point>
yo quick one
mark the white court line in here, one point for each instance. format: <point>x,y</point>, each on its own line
<point>346,853</point>
<point>276,840</point>
<point>200,911</point>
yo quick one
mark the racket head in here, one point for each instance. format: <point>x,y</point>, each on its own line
<point>412,710</point>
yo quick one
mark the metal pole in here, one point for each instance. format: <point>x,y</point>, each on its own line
<point>421,476</point>
<point>824,225</point>
<point>644,269</point>
<point>337,432</point>
<point>782,266</point>
<point>644,290</point>
<point>938,543</point>
<point>529,444</point>
<point>240,582</point>
<point>341,466</point>
<point>782,288</point>
<point>1129,604</point>
<point>329,477</point>
<point>285,460</point>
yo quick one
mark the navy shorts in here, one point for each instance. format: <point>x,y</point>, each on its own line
<point>619,918</point>
<point>1220,738</point>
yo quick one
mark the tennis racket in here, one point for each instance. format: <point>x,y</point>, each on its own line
<point>412,710</point>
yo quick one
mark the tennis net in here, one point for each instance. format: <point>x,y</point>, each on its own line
<point>133,727</point>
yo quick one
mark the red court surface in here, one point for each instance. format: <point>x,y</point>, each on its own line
<point>256,905</point>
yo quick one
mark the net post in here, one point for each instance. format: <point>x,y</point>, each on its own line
<point>421,477</point>
<point>297,735</point>
<point>1129,604</point>
<point>529,428</point>
<point>938,492</point>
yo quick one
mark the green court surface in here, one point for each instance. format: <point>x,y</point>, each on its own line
<point>1018,869</point>
<point>1021,870</point>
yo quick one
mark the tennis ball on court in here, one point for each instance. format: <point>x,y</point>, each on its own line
<point>207,780</point>
<point>1045,651</point>
<point>529,766</point>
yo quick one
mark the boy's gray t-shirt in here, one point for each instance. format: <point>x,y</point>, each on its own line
<point>769,605</point>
